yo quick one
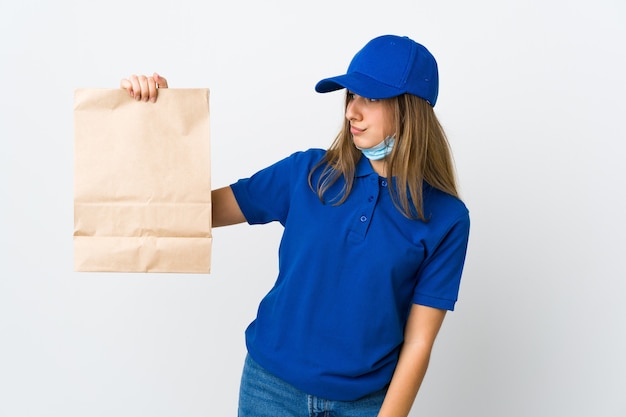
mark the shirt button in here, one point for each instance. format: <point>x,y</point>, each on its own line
<point>363,219</point>
<point>383,183</point>
<point>371,198</point>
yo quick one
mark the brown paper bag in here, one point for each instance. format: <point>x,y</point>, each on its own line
<point>142,191</point>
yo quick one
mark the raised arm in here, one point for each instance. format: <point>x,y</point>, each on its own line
<point>226,210</point>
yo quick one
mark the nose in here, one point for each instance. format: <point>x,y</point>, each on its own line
<point>353,109</point>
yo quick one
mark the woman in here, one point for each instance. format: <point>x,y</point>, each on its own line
<point>372,252</point>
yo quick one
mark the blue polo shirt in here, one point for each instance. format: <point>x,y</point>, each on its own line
<point>333,323</point>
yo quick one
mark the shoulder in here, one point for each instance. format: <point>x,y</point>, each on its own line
<point>309,157</point>
<point>299,163</point>
<point>443,207</point>
<point>295,162</point>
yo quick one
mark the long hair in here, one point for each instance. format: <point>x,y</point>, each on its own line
<point>421,153</point>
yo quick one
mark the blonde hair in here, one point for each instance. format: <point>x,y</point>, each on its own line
<point>421,153</point>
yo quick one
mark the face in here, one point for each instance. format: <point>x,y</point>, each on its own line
<point>370,120</point>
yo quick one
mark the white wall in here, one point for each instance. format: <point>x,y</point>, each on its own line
<point>532,96</point>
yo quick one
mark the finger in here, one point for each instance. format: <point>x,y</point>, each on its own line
<point>145,88</point>
<point>136,87</point>
<point>152,89</point>
<point>160,81</point>
<point>125,84</point>
<point>128,86</point>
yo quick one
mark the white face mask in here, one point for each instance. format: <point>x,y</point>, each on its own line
<point>379,151</point>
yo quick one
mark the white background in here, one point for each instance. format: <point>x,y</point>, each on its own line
<point>532,96</point>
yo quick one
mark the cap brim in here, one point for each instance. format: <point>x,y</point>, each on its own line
<point>359,84</point>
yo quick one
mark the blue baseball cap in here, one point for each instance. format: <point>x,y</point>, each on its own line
<point>389,66</point>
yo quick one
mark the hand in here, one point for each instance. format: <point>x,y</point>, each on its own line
<point>142,87</point>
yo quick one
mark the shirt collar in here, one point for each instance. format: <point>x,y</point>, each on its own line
<point>364,168</point>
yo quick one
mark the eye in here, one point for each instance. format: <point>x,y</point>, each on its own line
<point>351,96</point>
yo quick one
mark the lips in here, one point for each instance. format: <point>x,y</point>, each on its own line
<point>356,131</point>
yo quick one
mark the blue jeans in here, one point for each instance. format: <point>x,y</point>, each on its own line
<point>264,395</point>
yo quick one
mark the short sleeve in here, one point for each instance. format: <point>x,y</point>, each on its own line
<point>266,195</point>
<point>439,277</point>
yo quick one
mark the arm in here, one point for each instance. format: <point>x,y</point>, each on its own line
<point>225,208</point>
<point>420,333</point>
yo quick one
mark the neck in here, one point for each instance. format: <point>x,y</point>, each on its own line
<point>379,167</point>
